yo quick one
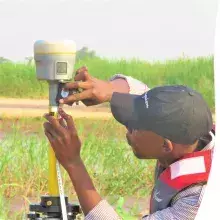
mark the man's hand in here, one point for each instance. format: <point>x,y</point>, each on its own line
<point>94,92</point>
<point>66,145</point>
<point>63,138</point>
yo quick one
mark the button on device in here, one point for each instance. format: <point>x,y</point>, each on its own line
<point>191,93</point>
<point>64,93</point>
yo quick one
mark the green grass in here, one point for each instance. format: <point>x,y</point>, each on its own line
<point>19,80</point>
<point>116,172</point>
<point>109,160</point>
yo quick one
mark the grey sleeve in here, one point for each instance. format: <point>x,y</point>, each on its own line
<point>102,211</point>
<point>183,207</point>
<point>136,87</point>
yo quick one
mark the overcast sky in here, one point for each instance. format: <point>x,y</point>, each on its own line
<point>146,29</point>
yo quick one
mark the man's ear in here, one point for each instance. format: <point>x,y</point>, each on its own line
<point>167,146</point>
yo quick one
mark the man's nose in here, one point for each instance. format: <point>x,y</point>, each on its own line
<point>129,129</point>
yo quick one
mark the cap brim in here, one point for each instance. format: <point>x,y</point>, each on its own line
<point>123,109</point>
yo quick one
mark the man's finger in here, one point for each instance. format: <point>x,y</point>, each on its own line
<point>82,76</point>
<point>78,85</point>
<point>69,120</point>
<point>49,136</point>
<point>51,140</point>
<point>62,122</point>
<point>55,124</point>
<point>81,69</point>
<point>90,102</point>
<point>87,94</point>
<point>49,129</point>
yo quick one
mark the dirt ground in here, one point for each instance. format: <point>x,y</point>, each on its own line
<point>16,108</point>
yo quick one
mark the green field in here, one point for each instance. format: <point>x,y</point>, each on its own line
<point>19,80</point>
<point>109,160</point>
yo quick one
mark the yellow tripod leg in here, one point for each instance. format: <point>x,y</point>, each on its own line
<point>53,182</point>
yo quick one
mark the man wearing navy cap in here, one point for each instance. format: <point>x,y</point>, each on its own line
<point>172,124</point>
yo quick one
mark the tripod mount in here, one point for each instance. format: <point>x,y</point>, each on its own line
<point>50,209</point>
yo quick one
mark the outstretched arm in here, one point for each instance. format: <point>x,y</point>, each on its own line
<point>97,91</point>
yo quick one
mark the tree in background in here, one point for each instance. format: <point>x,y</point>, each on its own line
<point>29,60</point>
<point>84,53</point>
<point>4,60</point>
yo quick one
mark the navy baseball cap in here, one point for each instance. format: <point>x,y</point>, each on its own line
<point>175,112</point>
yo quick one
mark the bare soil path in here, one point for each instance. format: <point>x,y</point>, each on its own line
<point>36,108</point>
<point>16,108</point>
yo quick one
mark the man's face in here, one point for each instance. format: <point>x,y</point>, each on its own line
<point>145,144</point>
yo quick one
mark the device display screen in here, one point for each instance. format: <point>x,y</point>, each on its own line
<point>61,68</point>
